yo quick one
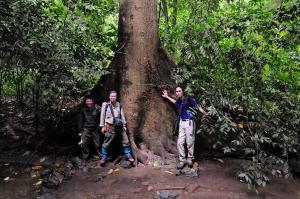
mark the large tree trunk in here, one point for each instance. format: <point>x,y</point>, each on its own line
<point>142,70</point>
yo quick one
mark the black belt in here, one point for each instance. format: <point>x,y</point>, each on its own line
<point>186,119</point>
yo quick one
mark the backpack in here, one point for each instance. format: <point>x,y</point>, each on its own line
<point>107,104</point>
<point>193,110</point>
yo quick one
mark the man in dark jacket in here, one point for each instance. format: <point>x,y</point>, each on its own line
<point>88,127</point>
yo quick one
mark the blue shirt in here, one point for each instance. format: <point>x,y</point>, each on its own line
<point>191,102</point>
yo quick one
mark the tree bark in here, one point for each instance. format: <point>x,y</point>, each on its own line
<point>140,70</point>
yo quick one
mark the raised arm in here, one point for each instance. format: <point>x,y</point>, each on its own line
<point>165,95</point>
<point>195,105</point>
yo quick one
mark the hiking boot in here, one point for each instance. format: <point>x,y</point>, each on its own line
<point>180,165</point>
<point>189,162</point>
<point>129,157</point>
<point>103,160</point>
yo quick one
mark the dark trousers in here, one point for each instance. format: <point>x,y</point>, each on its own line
<point>86,137</point>
<point>112,133</point>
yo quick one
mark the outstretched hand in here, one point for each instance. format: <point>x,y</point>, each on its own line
<point>207,113</point>
<point>203,111</point>
<point>165,93</point>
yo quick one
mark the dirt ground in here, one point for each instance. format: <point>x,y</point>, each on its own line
<point>216,180</point>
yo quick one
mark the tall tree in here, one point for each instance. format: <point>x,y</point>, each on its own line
<point>142,70</point>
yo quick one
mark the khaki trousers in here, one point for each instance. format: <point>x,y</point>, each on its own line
<point>186,136</point>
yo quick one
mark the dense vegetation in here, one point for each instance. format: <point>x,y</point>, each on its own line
<point>52,52</point>
<point>240,59</point>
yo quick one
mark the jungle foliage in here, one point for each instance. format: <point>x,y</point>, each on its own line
<point>241,60</point>
<point>54,51</point>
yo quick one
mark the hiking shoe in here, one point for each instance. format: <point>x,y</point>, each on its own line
<point>180,165</point>
<point>189,162</point>
<point>129,157</point>
<point>103,160</point>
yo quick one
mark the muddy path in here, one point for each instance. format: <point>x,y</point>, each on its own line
<point>216,180</point>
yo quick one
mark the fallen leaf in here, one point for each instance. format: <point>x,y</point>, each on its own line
<point>36,168</point>
<point>38,183</point>
<point>156,163</point>
<point>110,171</point>
<point>141,165</point>
<point>57,164</point>
<point>234,124</point>
<point>145,183</point>
<point>26,153</point>
<point>220,161</point>
<point>6,179</point>
<point>241,125</point>
<point>116,170</point>
<point>169,172</point>
<point>278,171</point>
<point>43,159</point>
<point>150,188</point>
<point>95,157</point>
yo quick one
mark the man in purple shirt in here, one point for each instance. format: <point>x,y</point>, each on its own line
<point>186,126</point>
